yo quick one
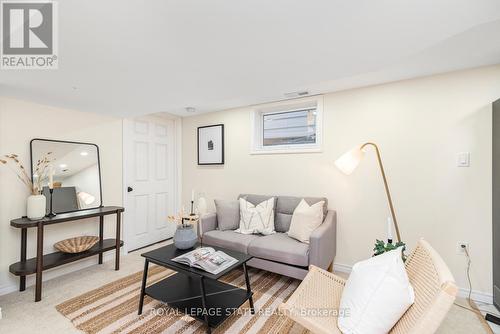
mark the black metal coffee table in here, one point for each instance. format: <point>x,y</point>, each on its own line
<point>193,291</point>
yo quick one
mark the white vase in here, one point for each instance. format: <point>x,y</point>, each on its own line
<point>202,206</point>
<point>36,206</point>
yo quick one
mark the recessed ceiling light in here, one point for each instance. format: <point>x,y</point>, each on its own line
<point>297,94</point>
<point>63,165</point>
<point>190,109</point>
<point>84,153</point>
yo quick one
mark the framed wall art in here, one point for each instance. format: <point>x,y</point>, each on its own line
<point>211,145</point>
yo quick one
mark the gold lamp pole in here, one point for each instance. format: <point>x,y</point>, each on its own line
<point>348,162</point>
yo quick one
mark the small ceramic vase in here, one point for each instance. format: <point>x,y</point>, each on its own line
<point>185,237</point>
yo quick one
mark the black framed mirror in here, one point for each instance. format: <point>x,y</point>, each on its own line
<point>75,170</point>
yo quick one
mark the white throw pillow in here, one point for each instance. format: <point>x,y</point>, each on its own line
<point>305,219</point>
<point>256,219</point>
<point>376,295</point>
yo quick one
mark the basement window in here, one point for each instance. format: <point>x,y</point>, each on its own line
<point>290,127</point>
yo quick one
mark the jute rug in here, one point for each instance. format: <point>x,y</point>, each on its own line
<point>112,308</point>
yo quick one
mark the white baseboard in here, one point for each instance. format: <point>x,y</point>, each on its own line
<point>478,296</point>
<point>6,289</point>
<point>54,273</point>
<point>342,268</point>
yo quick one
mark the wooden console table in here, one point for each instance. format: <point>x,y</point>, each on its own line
<point>43,262</point>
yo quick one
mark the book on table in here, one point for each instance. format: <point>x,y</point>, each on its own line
<point>208,259</point>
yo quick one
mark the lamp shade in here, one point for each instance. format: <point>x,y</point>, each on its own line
<point>348,161</point>
<point>86,198</point>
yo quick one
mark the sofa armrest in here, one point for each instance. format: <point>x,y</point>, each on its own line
<point>207,223</point>
<point>323,243</point>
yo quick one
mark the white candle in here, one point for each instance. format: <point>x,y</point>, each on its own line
<point>192,195</point>
<point>51,178</point>
<point>389,228</point>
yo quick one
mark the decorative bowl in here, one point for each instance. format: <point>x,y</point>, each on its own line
<point>76,245</point>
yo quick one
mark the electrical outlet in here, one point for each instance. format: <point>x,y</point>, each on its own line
<point>460,247</point>
<point>463,159</point>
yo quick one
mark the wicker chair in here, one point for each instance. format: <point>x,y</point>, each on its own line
<point>434,286</point>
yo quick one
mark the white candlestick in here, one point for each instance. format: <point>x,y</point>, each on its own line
<point>389,228</point>
<point>192,195</point>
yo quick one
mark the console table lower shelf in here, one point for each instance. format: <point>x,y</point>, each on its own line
<point>52,260</point>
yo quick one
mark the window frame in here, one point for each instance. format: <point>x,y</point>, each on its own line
<point>257,126</point>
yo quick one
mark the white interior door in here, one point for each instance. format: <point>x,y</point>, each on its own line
<point>150,180</point>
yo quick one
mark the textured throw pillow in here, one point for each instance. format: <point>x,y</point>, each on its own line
<point>305,219</point>
<point>256,218</point>
<point>228,214</point>
<point>376,295</point>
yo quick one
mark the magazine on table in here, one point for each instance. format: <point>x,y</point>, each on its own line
<point>208,259</point>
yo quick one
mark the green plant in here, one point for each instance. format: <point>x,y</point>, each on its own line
<point>382,247</point>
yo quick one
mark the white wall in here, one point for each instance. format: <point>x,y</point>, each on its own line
<point>420,125</point>
<point>20,122</point>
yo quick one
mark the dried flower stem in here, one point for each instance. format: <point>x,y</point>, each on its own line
<point>12,161</point>
<point>183,220</point>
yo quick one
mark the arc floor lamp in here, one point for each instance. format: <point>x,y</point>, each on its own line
<point>348,162</point>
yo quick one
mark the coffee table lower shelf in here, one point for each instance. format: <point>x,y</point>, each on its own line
<point>183,293</point>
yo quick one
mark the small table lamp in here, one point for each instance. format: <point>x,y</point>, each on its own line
<point>348,162</point>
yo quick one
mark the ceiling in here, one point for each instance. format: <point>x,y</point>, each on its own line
<point>128,58</point>
<point>67,159</point>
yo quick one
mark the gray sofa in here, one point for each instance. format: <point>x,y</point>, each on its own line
<point>278,252</point>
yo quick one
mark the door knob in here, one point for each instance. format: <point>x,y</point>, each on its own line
<point>129,189</point>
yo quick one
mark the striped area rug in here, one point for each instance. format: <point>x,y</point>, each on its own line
<point>112,308</point>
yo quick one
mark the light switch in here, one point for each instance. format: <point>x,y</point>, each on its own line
<point>463,159</point>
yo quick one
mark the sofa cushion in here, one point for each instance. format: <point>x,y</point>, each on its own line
<point>306,218</point>
<point>281,248</point>
<point>282,222</point>
<point>229,239</point>
<point>256,218</point>
<point>287,204</point>
<point>228,214</point>
<point>257,199</point>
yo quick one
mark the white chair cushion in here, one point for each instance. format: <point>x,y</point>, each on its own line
<point>256,218</point>
<point>376,295</point>
<point>305,220</point>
